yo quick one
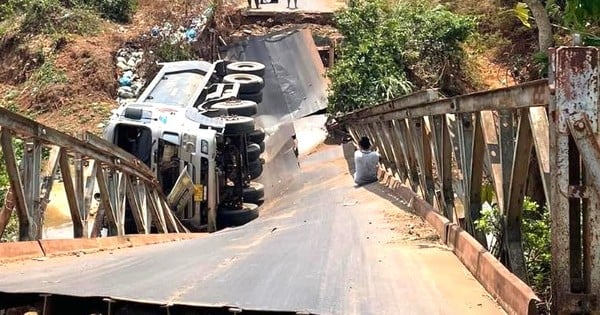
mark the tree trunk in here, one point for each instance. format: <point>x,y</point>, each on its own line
<point>542,21</point>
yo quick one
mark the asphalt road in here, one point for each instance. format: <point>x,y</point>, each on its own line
<point>322,246</point>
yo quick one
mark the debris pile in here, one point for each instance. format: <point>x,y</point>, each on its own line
<point>128,59</point>
<point>130,84</point>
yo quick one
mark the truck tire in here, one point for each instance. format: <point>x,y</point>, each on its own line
<point>237,125</point>
<point>238,107</point>
<point>236,217</point>
<point>249,67</point>
<point>262,146</point>
<point>248,83</point>
<point>256,136</point>
<point>254,192</point>
<point>253,152</point>
<point>255,97</point>
<point>255,168</point>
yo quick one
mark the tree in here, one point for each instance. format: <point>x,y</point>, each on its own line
<point>391,49</point>
<point>538,10</point>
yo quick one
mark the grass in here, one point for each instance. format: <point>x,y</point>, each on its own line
<point>48,74</point>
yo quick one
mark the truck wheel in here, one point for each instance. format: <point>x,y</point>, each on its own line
<point>249,83</point>
<point>253,152</point>
<point>237,125</point>
<point>238,107</point>
<point>254,192</point>
<point>255,168</point>
<point>236,217</point>
<point>256,136</point>
<point>255,97</point>
<point>249,67</point>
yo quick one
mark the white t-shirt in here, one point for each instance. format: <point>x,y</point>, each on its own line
<point>365,163</point>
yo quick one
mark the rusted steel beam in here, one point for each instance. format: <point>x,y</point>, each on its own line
<point>507,148</point>
<point>31,168</point>
<point>93,147</point>
<point>586,140</point>
<point>403,102</point>
<point>105,200</point>
<point>157,218</point>
<point>515,197</point>
<point>476,181</point>
<point>399,165</point>
<point>492,149</point>
<point>576,207</point>
<point>423,156</point>
<point>134,207</point>
<point>575,112</point>
<point>529,94</point>
<point>408,152</point>
<point>539,129</point>
<point>88,194</point>
<point>27,228</point>
<point>75,203</point>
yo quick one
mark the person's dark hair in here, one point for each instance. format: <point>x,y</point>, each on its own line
<point>364,143</point>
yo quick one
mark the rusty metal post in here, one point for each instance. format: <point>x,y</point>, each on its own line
<point>574,114</point>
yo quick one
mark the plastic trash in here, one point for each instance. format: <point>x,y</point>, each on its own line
<point>125,92</point>
<point>155,31</point>
<point>191,34</point>
<point>125,81</point>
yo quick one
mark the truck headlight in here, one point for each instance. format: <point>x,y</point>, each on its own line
<point>204,146</point>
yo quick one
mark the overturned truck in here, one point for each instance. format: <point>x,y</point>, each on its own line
<point>193,127</point>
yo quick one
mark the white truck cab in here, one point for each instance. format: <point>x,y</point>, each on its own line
<point>186,128</point>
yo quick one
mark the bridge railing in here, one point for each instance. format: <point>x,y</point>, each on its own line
<point>89,166</point>
<point>447,148</point>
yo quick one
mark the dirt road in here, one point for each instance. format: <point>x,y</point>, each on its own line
<point>304,6</point>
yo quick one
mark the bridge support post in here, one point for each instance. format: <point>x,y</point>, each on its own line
<point>575,196</point>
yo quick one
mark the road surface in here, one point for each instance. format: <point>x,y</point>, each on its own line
<point>304,6</point>
<point>323,246</point>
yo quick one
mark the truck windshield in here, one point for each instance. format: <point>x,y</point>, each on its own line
<point>176,89</point>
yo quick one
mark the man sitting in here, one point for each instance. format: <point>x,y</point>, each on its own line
<point>365,162</point>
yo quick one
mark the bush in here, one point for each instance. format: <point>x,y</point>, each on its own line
<point>50,16</point>
<point>116,10</point>
<point>535,232</point>
<point>390,50</point>
<point>48,74</point>
<point>168,51</point>
<point>73,16</point>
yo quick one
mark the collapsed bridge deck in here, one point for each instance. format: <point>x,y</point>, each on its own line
<point>322,247</point>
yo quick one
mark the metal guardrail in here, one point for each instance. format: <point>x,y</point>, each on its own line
<point>445,147</point>
<point>122,180</point>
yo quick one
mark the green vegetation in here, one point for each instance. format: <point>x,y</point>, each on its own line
<point>535,229</point>
<point>66,16</point>
<point>167,51</point>
<point>48,74</point>
<point>390,50</point>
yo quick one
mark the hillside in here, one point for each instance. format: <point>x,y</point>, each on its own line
<point>69,79</point>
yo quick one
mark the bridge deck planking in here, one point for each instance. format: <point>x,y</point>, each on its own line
<point>323,246</point>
